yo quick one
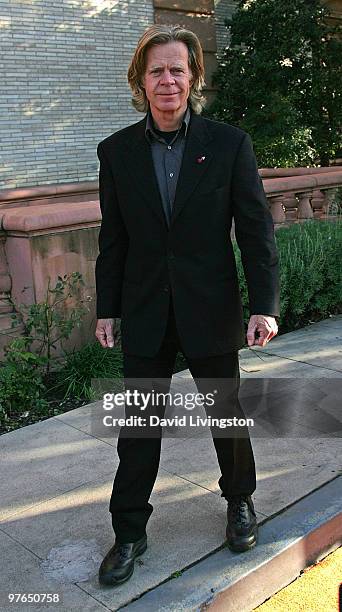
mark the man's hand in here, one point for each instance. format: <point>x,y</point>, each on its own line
<point>107,332</point>
<point>266,327</point>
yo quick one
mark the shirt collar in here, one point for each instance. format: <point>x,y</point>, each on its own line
<point>149,129</point>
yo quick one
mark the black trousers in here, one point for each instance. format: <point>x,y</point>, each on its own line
<point>139,456</point>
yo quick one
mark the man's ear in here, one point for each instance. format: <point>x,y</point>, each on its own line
<point>191,78</point>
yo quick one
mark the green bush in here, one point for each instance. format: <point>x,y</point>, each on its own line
<point>310,255</point>
<point>49,321</point>
<point>21,386</point>
<point>25,371</point>
<point>91,361</point>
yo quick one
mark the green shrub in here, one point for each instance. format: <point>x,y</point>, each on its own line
<point>21,386</point>
<point>48,322</point>
<point>26,368</point>
<point>91,361</point>
<point>310,255</point>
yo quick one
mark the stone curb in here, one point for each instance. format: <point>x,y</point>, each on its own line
<point>225,582</point>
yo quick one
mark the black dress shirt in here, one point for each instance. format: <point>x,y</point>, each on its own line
<point>167,153</point>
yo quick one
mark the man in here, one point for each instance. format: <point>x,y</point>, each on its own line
<point>170,186</point>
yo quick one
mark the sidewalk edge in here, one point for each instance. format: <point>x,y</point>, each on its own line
<point>298,537</point>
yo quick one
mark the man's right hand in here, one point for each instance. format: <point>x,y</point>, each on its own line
<point>107,332</point>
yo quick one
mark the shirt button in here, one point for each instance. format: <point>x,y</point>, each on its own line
<point>171,174</point>
<point>169,147</point>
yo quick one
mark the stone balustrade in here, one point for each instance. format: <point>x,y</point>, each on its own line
<point>284,172</point>
<point>305,196</point>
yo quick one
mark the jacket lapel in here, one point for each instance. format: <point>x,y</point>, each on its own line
<point>192,170</point>
<point>139,163</point>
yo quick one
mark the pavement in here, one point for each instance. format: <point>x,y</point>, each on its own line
<point>57,477</point>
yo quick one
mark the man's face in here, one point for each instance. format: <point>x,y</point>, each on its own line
<point>167,76</point>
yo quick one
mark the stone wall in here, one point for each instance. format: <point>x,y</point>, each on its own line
<point>63,72</point>
<point>38,242</point>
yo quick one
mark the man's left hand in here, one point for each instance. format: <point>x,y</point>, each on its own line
<point>266,327</point>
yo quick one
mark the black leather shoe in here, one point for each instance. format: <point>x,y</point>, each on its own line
<point>118,564</point>
<point>242,528</point>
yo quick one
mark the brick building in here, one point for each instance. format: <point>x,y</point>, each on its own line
<point>63,74</point>
<point>63,67</point>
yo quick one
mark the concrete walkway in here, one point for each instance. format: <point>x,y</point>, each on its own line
<point>57,475</point>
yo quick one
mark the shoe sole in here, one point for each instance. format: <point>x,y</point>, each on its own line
<point>242,545</point>
<point>137,553</point>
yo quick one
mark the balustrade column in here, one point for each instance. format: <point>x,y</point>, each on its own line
<point>319,203</point>
<point>304,207</point>
<point>291,207</point>
<point>277,209</point>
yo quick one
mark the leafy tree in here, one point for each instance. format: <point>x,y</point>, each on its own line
<point>280,80</point>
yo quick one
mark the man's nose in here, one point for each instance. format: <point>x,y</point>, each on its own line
<point>167,77</point>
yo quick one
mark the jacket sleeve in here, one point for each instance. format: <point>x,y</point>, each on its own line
<point>113,246</point>
<point>254,232</point>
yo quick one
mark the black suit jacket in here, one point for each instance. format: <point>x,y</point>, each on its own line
<point>142,260</point>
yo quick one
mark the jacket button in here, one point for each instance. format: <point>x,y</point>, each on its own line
<point>166,288</point>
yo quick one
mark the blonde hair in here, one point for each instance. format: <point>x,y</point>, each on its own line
<point>159,35</point>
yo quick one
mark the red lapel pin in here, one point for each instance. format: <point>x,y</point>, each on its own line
<point>200,159</point>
